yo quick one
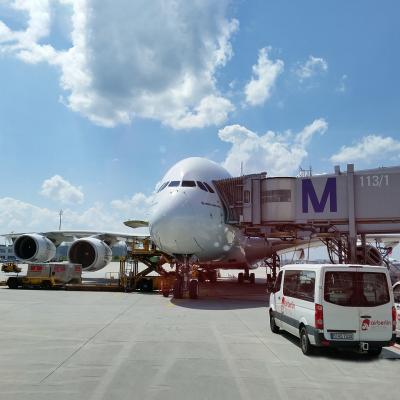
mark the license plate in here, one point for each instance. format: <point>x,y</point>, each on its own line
<point>342,336</point>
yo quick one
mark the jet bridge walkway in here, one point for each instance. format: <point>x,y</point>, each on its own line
<point>339,209</point>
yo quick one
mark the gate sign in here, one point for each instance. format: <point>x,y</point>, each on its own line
<point>319,205</point>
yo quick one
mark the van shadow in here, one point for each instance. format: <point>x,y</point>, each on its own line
<point>388,353</point>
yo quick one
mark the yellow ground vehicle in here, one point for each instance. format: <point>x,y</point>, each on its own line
<point>47,276</point>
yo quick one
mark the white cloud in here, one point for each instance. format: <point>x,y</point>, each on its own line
<point>20,216</point>
<point>342,84</point>
<point>265,73</point>
<point>149,59</point>
<point>313,66</point>
<point>137,207</point>
<point>369,148</point>
<point>59,189</point>
<point>277,154</point>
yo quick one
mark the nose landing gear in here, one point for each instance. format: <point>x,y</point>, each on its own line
<point>185,281</point>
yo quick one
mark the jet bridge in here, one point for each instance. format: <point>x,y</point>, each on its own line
<point>338,208</point>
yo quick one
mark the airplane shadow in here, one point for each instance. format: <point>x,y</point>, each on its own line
<point>219,304</point>
<point>226,295</point>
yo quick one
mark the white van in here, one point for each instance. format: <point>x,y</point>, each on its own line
<point>396,295</point>
<point>343,306</point>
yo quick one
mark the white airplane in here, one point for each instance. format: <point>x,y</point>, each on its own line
<point>187,222</point>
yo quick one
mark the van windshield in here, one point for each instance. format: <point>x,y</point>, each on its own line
<point>356,289</point>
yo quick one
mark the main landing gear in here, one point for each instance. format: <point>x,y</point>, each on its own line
<point>246,276</point>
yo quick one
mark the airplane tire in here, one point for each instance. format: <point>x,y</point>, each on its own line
<point>213,276</point>
<point>201,277</point>
<point>194,289</point>
<point>252,278</point>
<point>178,292</point>
<point>240,277</point>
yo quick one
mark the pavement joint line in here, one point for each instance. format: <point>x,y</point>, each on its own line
<point>91,338</point>
<point>101,388</point>
<point>261,340</point>
<point>282,393</point>
<point>242,389</point>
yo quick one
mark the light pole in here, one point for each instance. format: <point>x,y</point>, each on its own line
<point>60,214</point>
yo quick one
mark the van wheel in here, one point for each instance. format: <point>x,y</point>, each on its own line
<point>305,344</point>
<point>274,327</point>
<point>375,351</point>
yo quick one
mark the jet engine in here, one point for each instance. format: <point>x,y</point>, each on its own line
<point>372,255</point>
<point>34,248</point>
<point>92,253</point>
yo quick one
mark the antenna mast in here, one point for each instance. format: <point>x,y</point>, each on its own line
<point>60,214</point>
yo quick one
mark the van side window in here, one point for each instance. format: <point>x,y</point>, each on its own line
<point>396,292</point>
<point>299,284</point>
<point>278,281</point>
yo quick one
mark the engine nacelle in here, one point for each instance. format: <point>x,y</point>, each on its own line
<point>34,248</point>
<point>372,255</point>
<point>92,253</point>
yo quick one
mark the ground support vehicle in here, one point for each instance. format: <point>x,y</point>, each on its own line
<point>47,276</point>
<point>342,306</point>
<point>396,295</point>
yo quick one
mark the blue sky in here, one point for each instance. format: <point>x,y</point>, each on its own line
<point>99,98</point>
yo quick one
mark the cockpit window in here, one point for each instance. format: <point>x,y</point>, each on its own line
<point>162,187</point>
<point>201,186</point>
<point>174,183</point>
<point>210,189</point>
<point>188,184</point>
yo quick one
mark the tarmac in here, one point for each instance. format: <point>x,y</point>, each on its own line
<point>88,345</point>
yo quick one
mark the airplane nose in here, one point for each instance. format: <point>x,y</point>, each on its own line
<point>173,224</point>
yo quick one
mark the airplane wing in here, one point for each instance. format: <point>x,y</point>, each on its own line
<point>58,237</point>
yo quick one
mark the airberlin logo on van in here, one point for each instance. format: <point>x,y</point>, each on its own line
<point>366,323</point>
<point>287,304</point>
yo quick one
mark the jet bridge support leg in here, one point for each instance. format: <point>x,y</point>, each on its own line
<point>273,264</point>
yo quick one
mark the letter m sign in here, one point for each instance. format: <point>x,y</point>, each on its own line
<point>319,205</point>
